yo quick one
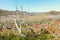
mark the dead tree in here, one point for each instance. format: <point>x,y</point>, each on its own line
<point>19,29</point>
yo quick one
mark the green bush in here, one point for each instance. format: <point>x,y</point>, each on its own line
<point>45,35</point>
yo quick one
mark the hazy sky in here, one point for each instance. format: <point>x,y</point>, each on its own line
<point>32,5</point>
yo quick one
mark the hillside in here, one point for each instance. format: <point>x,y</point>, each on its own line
<point>6,12</point>
<point>52,13</point>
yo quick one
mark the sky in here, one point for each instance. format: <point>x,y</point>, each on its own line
<point>31,5</point>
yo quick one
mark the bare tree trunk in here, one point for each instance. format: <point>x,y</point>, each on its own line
<point>19,29</point>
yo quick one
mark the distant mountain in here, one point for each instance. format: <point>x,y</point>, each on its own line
<point>52,13</point>
<point>6,12</point>
<point>47,13</point>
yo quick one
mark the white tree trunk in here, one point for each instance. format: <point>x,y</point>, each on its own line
<point>19,29</point>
